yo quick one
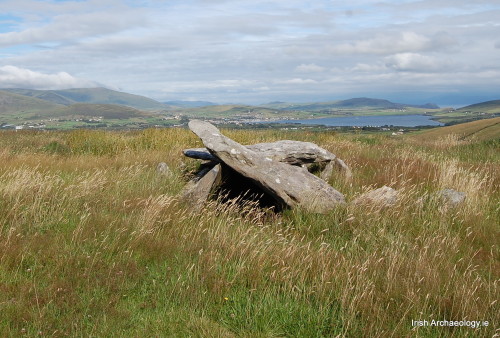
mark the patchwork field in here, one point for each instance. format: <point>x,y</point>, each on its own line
<point>96,243</point>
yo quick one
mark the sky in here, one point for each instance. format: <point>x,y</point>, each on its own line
<point>256,51</point>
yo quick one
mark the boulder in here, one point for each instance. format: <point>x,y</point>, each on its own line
<point>381,197</point>
<point>451,198</point>
<point>290,186</point>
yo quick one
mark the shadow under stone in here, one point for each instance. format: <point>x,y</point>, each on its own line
<point>236,186</point>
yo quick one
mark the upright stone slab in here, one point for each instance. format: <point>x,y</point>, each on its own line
<point>197,191</point>
<point>290,186</point>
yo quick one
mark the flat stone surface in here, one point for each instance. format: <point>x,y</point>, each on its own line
<point>289,185</point>
<point>291,152</point>
<point>287,151</point>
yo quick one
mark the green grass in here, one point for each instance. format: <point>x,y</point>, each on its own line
<point>482,130</point>
<point>490,107</point>
<point>95,242</point>
<point>15,104</point>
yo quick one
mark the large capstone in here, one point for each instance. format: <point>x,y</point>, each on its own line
<point>289,186</point>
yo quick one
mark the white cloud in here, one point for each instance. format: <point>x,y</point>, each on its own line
<point>387,44</point>
<point>15,77</point>
<point>413,62</point>
<point>71,27</point>
<point>310,68</point>
<point>363,67</point>
<point>297,81</point>
<point>235,51</point>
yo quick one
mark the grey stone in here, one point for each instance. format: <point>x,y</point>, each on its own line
<point>198,190</point>
<point>381,197</point>
<point>200,154</point>
<point>451,198</point>
<point>298,153</point>
<point>290,186</point>
<point>162,168</point>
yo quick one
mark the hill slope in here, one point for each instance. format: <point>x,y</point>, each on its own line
<point>107,111</point>
<point>483,110</point>
<point>481,130</point>
<point>189,104</point>
<point>490,107</point>
<point>227,110</point>
<point>46,95</point>
<point>11,103</point>
<point>91,95</point>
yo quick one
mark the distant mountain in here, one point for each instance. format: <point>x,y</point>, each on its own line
<point>11,103</point>
<point>362,102</point>
<point>426,106</point>
<point>354,103</point>
<point>46,95</point>
<point>190,104</point>
<point>277,105</point>
<point>91,95</point>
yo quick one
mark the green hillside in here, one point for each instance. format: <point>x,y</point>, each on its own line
<point>481,130</point>
<point>489,107</point>
<point>106,111</point>
<point>46,95</point>
<point>11,103</point>
<point>483,110</point>
<point>108,96</point>
<point>92,95</point>
<point>229,110</point>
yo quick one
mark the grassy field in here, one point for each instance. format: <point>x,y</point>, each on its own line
<point>94,242</point>
<point>481,130</point>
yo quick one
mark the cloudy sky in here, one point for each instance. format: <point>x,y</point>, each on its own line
<point>255,51</point>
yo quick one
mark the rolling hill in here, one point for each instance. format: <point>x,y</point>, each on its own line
<point>489,107</point>
<point>481,130</point>
<point>46,95</point>
<point>227,110</point>
<point>354,103</point>
<point>106,111</point>
<point>91,95</point>
<point>11,103</point>
<point>29,105</point>
<point>189,104</point>
<point>478,111</point>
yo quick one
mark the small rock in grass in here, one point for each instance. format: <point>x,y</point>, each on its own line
<point>451,198</point>
<point>163,169</point>
<point>384,197</point>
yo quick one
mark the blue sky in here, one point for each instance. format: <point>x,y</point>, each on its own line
<point>415,51</point>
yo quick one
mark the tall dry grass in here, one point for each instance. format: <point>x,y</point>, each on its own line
<point>95,242</point>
